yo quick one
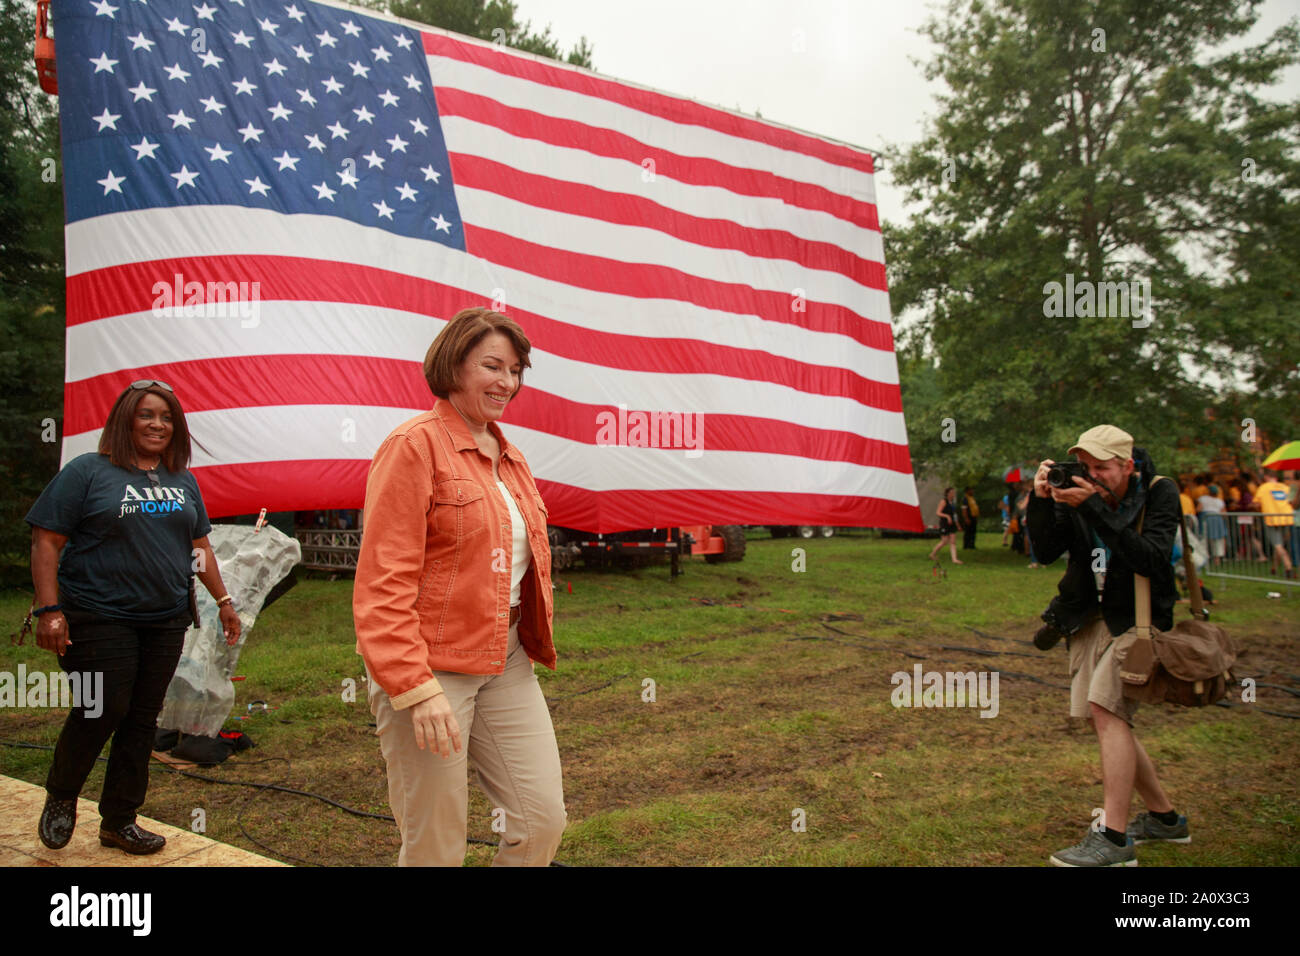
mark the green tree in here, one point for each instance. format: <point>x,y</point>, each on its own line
<point>1105,141</point>
<point>494,20</point>
<point>31,287</point>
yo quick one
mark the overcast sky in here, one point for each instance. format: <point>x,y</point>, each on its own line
<point>838,68</point>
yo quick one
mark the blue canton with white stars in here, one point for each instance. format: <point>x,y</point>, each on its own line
<point>294,107</point>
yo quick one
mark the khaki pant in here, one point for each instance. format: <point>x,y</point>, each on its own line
<point>1095,659</point>
<point>506,727</point>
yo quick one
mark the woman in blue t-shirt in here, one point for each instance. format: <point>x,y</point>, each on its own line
<point>130,525</point>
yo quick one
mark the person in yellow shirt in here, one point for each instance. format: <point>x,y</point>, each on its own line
<point>1274,500</point>
<point>1184,498</point>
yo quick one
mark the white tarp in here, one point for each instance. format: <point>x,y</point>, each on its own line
<point>201,695</point>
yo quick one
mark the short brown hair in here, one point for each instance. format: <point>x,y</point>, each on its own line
<point>116,439</point>
<point>465,330</point>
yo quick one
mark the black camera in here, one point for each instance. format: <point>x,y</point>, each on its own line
<point>1061,474</point>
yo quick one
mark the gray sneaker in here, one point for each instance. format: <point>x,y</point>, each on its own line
<point>1147,829</point>
<point>1096,850</point>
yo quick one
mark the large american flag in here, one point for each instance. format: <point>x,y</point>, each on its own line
<point>374,177</point>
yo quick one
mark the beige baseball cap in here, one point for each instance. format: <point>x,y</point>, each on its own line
<point>1105,441</point>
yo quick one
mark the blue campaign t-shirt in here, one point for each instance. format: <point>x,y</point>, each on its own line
<point>130,543</point>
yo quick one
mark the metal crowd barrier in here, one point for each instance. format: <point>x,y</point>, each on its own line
<point>1250,546</point>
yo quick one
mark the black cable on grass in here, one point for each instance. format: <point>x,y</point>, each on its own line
<point>579,693</point>
<point>260,787</point>
<point>994,637</point>
<point>861,644</point>
<point>1272,713</point>
<point>984,652</point>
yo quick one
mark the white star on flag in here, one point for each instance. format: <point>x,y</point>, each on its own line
<point>442,224</point>
<point>111,183</point>
<point>104,10</point>
<point>384,210</point>
<point>255,185</point>
<point>103,63</point>
<point>180,119</point>
<point>184,177</point>
<point>145,148</point>
<point>107,120</point>
<point>286,161</point>
<point>323,192</point>
<point>218,155</point>
<point>142,92</point>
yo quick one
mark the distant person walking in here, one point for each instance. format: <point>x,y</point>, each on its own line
<point>1213,527</point>
<point>1274,500</point>
<point>947,514</point>
<point>970,513</point>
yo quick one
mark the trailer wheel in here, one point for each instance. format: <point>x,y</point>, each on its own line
<point>734,537</point>
<point>806,531</point>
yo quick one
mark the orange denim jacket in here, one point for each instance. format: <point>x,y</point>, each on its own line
<point>432,588</point>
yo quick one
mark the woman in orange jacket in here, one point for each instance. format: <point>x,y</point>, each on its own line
<point>452,604</point>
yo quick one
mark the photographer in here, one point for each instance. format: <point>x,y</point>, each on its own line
<point>1113,523</point>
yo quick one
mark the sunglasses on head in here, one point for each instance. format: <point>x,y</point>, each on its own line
<point>147,382</point>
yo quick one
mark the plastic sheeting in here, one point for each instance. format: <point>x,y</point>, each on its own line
<point>200,696</point>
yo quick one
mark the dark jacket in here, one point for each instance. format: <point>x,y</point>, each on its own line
<point>1056,528</point>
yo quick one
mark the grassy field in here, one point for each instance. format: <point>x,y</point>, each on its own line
<point>772,705</point>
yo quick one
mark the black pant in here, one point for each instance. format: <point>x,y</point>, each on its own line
<point>137,662</point>
<point>968,539</point>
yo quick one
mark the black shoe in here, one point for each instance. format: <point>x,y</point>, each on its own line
<point>132,839</point>
<point>58,820</point>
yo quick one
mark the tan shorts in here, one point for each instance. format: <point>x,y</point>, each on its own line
<point>1095,659</point>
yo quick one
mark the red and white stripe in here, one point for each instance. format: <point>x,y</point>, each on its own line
<point>674,293</point>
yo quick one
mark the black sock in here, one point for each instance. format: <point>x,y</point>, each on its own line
<point>1116,837</point>
<point>1168,819</point>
